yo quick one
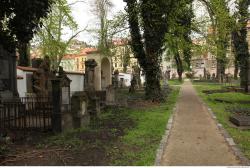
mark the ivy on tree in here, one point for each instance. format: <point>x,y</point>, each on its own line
<point>150,16</point>
<point>19,21</point>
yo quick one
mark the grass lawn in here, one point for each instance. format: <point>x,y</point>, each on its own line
<point>140,144</point>
<point>121,136</point>
<point>175,82</point>
<point>241,137</point>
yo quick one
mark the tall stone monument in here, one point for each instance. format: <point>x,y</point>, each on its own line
<point>89,82</point>
<point>8,77</point>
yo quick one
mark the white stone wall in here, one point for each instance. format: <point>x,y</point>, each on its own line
<point>22,83</point>
<point>76,85</point>
<point>77,82</point>
<point>126,77</point>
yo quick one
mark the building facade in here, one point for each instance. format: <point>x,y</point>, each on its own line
<point>123,59</point>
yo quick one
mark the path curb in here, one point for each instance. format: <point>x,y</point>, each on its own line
<point>165,138</point>
<point>229,140</point>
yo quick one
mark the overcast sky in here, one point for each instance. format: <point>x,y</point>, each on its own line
<point>84,16</point>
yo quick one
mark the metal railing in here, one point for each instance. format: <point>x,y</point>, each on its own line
<point>27,113</point>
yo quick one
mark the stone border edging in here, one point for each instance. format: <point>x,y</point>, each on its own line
<point>165,137</point>
<point>229,140</point>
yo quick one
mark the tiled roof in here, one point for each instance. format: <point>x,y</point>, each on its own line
<point>30,69</point>
<point>83,52</point>
<point>70,56</point>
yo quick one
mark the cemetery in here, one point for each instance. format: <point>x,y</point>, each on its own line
<point>124,83</point>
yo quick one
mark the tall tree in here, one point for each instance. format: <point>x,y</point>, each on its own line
<point>150,16</point>
<point>240,42</point>
<point>222,27</point>
<point>178,40</point>
<point>19,21</point>
<point>101,9</point>
<point>50,37</point>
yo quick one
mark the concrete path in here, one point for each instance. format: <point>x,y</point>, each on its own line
<point>195,139</point>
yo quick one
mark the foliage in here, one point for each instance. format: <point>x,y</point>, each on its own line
<point>178,38</point>
<point>19,20</point>
<point>101,9</point>
<point>151,18</point>
<point>49,38</point>
<point>139,145</point>
<point>239,37</point>
<point>221,30</point>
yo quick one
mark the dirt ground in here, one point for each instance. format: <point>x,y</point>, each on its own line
<point>99,146</point>
<point>195,139</point>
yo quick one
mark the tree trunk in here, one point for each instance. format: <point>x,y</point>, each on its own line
<point>236,69</point>
<point>24,54</point>
<point>153,87</point>
<point>179,66</point>
<point>221,66</point>
<point>241,49</point>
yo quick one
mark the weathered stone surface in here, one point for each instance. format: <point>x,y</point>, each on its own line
<point>240,120</point>
<point>110,96</point>
<point>90,75</point>
<point>79,103</point>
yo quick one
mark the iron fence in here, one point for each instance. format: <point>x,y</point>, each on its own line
<point>28,113</point>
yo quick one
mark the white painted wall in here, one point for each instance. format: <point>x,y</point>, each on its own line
<point>126,77</point>
<point>76,85</point>
<point>77,82</point>
<point>22,83</point>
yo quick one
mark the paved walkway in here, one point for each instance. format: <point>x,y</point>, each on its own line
<point>195,139</point>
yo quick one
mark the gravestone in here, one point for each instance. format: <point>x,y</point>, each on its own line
<point>8,77</point>
<point>93,106</point>
<point>79,103</point>
<point>116,79</point>
<point>132,87</point>
<point>110,96</point>
<point>90,75</point>
<point>240,120</point>
<point>42,78</point>
<point>67,119</point>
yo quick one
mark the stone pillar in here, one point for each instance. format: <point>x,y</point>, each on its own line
<point>56,120</point>
<point>67,117</point>
<point>89,81</point>
<point>98,82</point>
